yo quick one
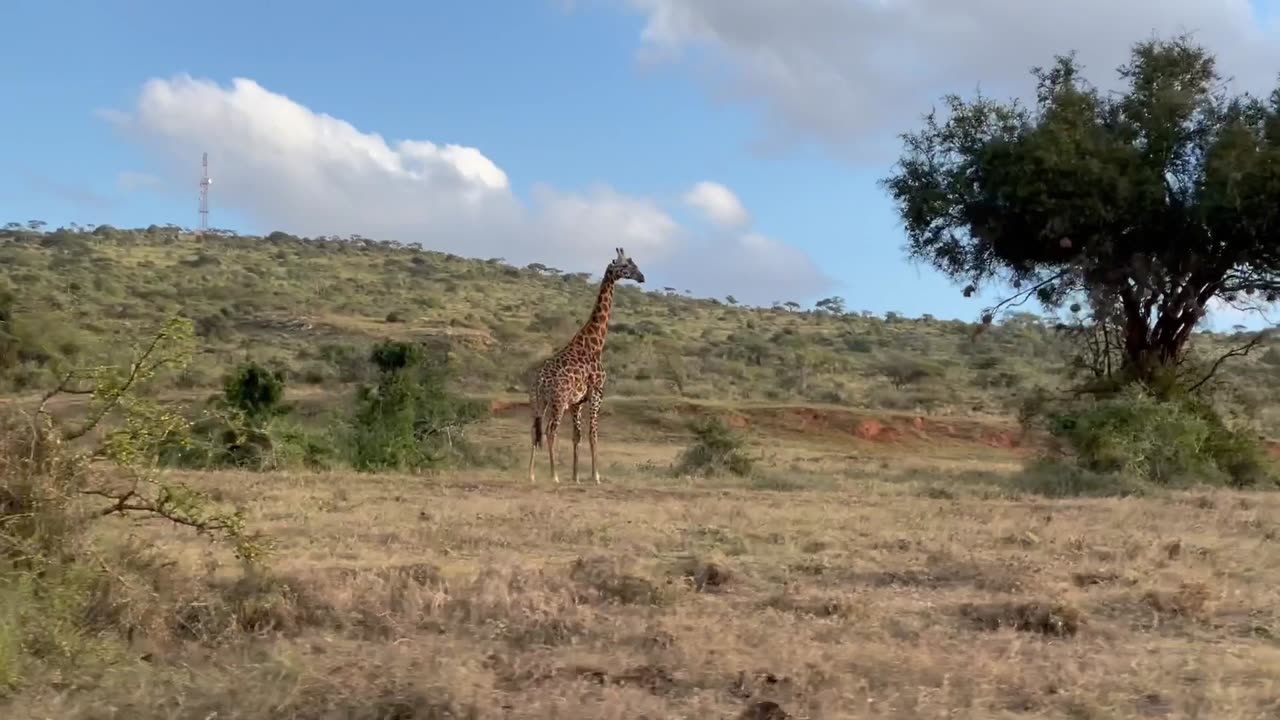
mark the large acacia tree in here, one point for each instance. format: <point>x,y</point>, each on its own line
<point>1142,205</point>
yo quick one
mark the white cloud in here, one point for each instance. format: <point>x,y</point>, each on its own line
<point>717,204</point>
<point>287,167</point>
<point>751,266</point>
<point>638,225</point>
<point>853,73</point>
<point>129,180</point>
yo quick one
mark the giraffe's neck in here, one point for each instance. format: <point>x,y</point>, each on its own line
<point>593,332</point>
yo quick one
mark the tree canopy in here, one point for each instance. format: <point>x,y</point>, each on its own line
<point>1142,205</point>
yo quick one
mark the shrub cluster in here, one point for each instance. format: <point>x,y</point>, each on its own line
<point>715,450</point>
<point>1131,436</point>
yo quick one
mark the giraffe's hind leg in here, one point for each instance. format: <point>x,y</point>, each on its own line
<point>537,410</point>
<point>553,430</point>
<point>577,437</point>
<point>535,440</point>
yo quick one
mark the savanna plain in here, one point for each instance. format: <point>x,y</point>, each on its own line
<point>883,544</point>
<point>864,580</point>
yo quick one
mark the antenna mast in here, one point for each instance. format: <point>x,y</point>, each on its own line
<point>205,182</point>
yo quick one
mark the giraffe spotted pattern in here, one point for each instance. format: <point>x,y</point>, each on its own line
<point>574,377</point>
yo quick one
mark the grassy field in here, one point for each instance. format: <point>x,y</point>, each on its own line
<point>893,554</point>
<point>899,577</point>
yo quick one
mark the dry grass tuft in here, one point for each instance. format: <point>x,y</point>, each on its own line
<point>1045,618</point>
<point>1089,578</point>
<point>654,679</point>
<point>257,604</point>
<point>1192,600</point>
<point>706,575</point>
<point>610,580</point>
<point>812,603</point>
<point>766,710</point>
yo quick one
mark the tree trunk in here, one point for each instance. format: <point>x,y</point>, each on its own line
<point>1153,352</point>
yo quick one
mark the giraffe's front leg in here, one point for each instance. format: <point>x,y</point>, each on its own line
<point>535,437</point>
<point>577,437</point>
<point>596,397</point>
<point>553,429</point>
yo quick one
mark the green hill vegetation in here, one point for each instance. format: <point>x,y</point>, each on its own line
<point>312,308</point>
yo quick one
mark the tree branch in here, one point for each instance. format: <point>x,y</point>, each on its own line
<point>1240,351</point>
<point>1022,296</point>
<point>131,502</point>
<point>113,398</point>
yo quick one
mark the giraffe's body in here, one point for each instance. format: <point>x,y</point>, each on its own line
<point>574,377</point>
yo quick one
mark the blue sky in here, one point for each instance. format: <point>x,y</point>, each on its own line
<point>596,118</point>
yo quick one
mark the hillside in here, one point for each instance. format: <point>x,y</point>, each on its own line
<point>312,307</point>
<point>883,534</point>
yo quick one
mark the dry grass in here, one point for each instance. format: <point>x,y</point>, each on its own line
<point>856,590</point>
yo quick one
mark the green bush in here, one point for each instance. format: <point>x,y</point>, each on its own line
<point>256,392</point>
<point>238,428</point>
<point>66,594</point>
<point>297,446</point>
<point>716,449</point>
<point>410,418</point>
<point>903,370</point>
<point>1169,442</point>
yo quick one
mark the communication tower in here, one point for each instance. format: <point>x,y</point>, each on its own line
<point>205,182</point>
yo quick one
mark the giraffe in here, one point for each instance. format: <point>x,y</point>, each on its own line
<point>574,376</point>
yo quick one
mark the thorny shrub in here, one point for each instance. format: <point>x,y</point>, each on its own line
<point>58,477</point>
<point>1133,436</point>
<point>716,448</point>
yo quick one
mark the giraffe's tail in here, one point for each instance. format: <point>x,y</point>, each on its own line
<point>536,407</point>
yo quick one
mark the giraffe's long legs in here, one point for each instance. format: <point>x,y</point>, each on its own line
<point>533,442</point>
<point>577,438</point>
<point>553,429</point>
<point>593,430</point>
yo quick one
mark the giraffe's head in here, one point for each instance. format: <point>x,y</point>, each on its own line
<point>624,268</point>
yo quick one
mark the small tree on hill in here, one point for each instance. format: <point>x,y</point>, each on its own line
<point>255,391</point>
<point>409,419</point>
<point>716,448</point>
<point>252,397</point>
<point>1144,205</point>
<point>9,343</point>
<point>833,305</point>
<point>902,370</point>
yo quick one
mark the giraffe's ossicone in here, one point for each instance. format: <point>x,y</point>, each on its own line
<point>574,376</point>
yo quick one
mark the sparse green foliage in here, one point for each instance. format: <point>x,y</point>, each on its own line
<point>672,368</point>
<point>53,582</point>
<point>1144,205</point>
<point>716,449</point>
<point>255,391</point>
<point>238,427</point>
<point>834,305</point>
<point>293,314</point>
<point>409,419</point>
<point>903,371</point>
<point>1138,436</point>
<point>9,342</point>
